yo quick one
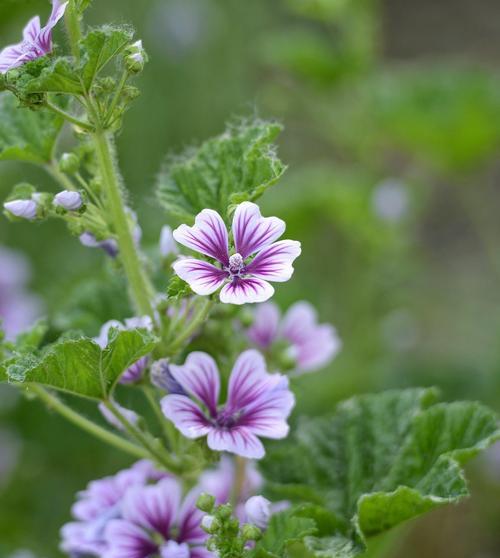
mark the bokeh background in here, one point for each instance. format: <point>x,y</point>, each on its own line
<point>392,134</point>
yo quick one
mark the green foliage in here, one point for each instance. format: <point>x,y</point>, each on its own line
<point>99,47</point>
<point>58,77</point>
<point>26,135</point>
<point>380,460</point>
<point>79,366</point>
<point>236,166</point>
<point>30,340</point>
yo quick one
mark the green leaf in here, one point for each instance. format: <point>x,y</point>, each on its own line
<point>381,459</point>
<point>30,340</point>
<point>26,135</point>
<point>236,166</point>
<point>332,547</point>
<point>80,366</point>
<point>284,529</point>
<point>59,77</point>
<point>99,47</point>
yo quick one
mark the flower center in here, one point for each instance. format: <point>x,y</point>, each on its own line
<point>236,264</point>
<point>227,419</point>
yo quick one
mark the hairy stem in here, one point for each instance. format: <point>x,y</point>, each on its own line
<point>140,286</point>
<point>239,480</point>
<point>168,432</point>
<point>103,434</point>
<point>72,21</point>
<point>191,328</point>
<point>67,116</point>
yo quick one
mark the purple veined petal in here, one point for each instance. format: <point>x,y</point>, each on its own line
<point>252,232</point>
<point>246,291</point>
<point>264,330</point>
<point>172,549</point>
<point>153,507</point>
<point>208,236</point>
<point>32,29</point>
<point>45,36</point>
<point>200,377</point>
<point>187,417</point>
<point>274,263</point>
<point>135,372</point>
<point>25,209</point>
<point>11,57</point>
<point>203,277</point>
<point>238,440</point>
<point>189,520</point>
<point>317,350</point>
<point>299,322</point>
<point>76,539</point>
<point>126,540</point>
<point>249,380</point>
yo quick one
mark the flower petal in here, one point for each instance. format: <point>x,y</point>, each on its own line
<point>126,540</point>
<point>172,549</point>
<point>244,291</point>
<point>153,507</point>
<point>264,329</point>
<point>238,440</point>
<point>11,57</point>
<point>252,232</point>
<point>200,377</point>
<point>31,30</point>
<point>274,263</point>
<point>203,277</point>
<point>45,35</point>
<point>189,520</point>
<point>186,415</point>
<point>208,236</point>
<point>249,380</point>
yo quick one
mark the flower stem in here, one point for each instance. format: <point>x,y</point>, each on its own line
<point>67,116</point>
<point>190,329</point>
<point>165,425</point>
<point>72,20</point>
<point>140,286</point>
<point>239,480</point>
<point>104,435</point>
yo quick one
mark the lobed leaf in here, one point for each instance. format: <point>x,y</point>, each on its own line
<point>80,366</point>
<point>26,135</point>
<point>380,460</point>
<point>58,77</point>
<point>236,166</point>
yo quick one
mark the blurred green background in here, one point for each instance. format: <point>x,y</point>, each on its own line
<point>392,133</point>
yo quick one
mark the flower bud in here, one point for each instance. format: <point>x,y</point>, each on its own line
<point>24,209</point>
<point>225,511</point>
<point>251,532</point>
<point>162,378</point>
<point>109,245</point>
<point>69,163</point>
<point>168,246</point>
<point>205,502</point>
<point>209,524</point>
<point>135,58</point>
<point>258,511</point>
<point>71,201</point>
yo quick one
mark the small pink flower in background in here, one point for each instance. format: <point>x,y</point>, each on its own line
<point>310,345</point>
<point>258,404</point>
<point>37,40</point>
<point>244,274</point>
<point>134,372</point>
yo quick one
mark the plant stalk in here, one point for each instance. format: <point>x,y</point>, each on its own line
<point>190,329</point>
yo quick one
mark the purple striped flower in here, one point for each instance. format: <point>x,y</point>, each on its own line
<point>37,40</point>
<point>258,404</point>
<point>156,522</point>
<point>244,272</point>
<point>310,345</point>
<point>100,503</point>
<point>134,372</point>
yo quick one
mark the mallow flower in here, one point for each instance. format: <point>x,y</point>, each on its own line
<point>99,503</point>
<point>307,343</point>
<point>37,40</point>
<point>156,521</point>
<point>134,372</point>
<point>69,200</point>
<point>244,271</point>
<point>258,404</point>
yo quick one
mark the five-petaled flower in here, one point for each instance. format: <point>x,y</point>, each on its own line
<point>258,404</point>
<point>156,522</point>
<point>307,343</point>
<point>37,40</point>
<point>257,257</point>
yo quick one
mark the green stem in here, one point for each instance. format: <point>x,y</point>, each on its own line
<point>116,98</point>
<point>85,424</point>
<point>193,325</point>
<point>165,425</point>
<point>67,116</point>
<point>72,20</point>
<point>60,177</point>
<point>140,286</point>
<point>239,479</point>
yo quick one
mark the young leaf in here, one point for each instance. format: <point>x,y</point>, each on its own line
<point>382,459</point>
<point>80,366</point>
<point>59,77</point>
<point>26,135</point>
<point>236,166</point>
<point>99,47</point>
<point>30,340</point>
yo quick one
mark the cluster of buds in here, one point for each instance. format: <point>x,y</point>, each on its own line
<point>229,538</point>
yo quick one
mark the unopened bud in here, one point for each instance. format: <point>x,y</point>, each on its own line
<point>210,524</point>
<point>71,201</point>
<point>205,502</point>
<point>251,532</point>
<point>24,209</point>
<point>258,511</point>
<point>69,163</point>
<point>225,511</point>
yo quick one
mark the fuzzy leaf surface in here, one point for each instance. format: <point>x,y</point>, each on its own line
<point>237,166</point>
